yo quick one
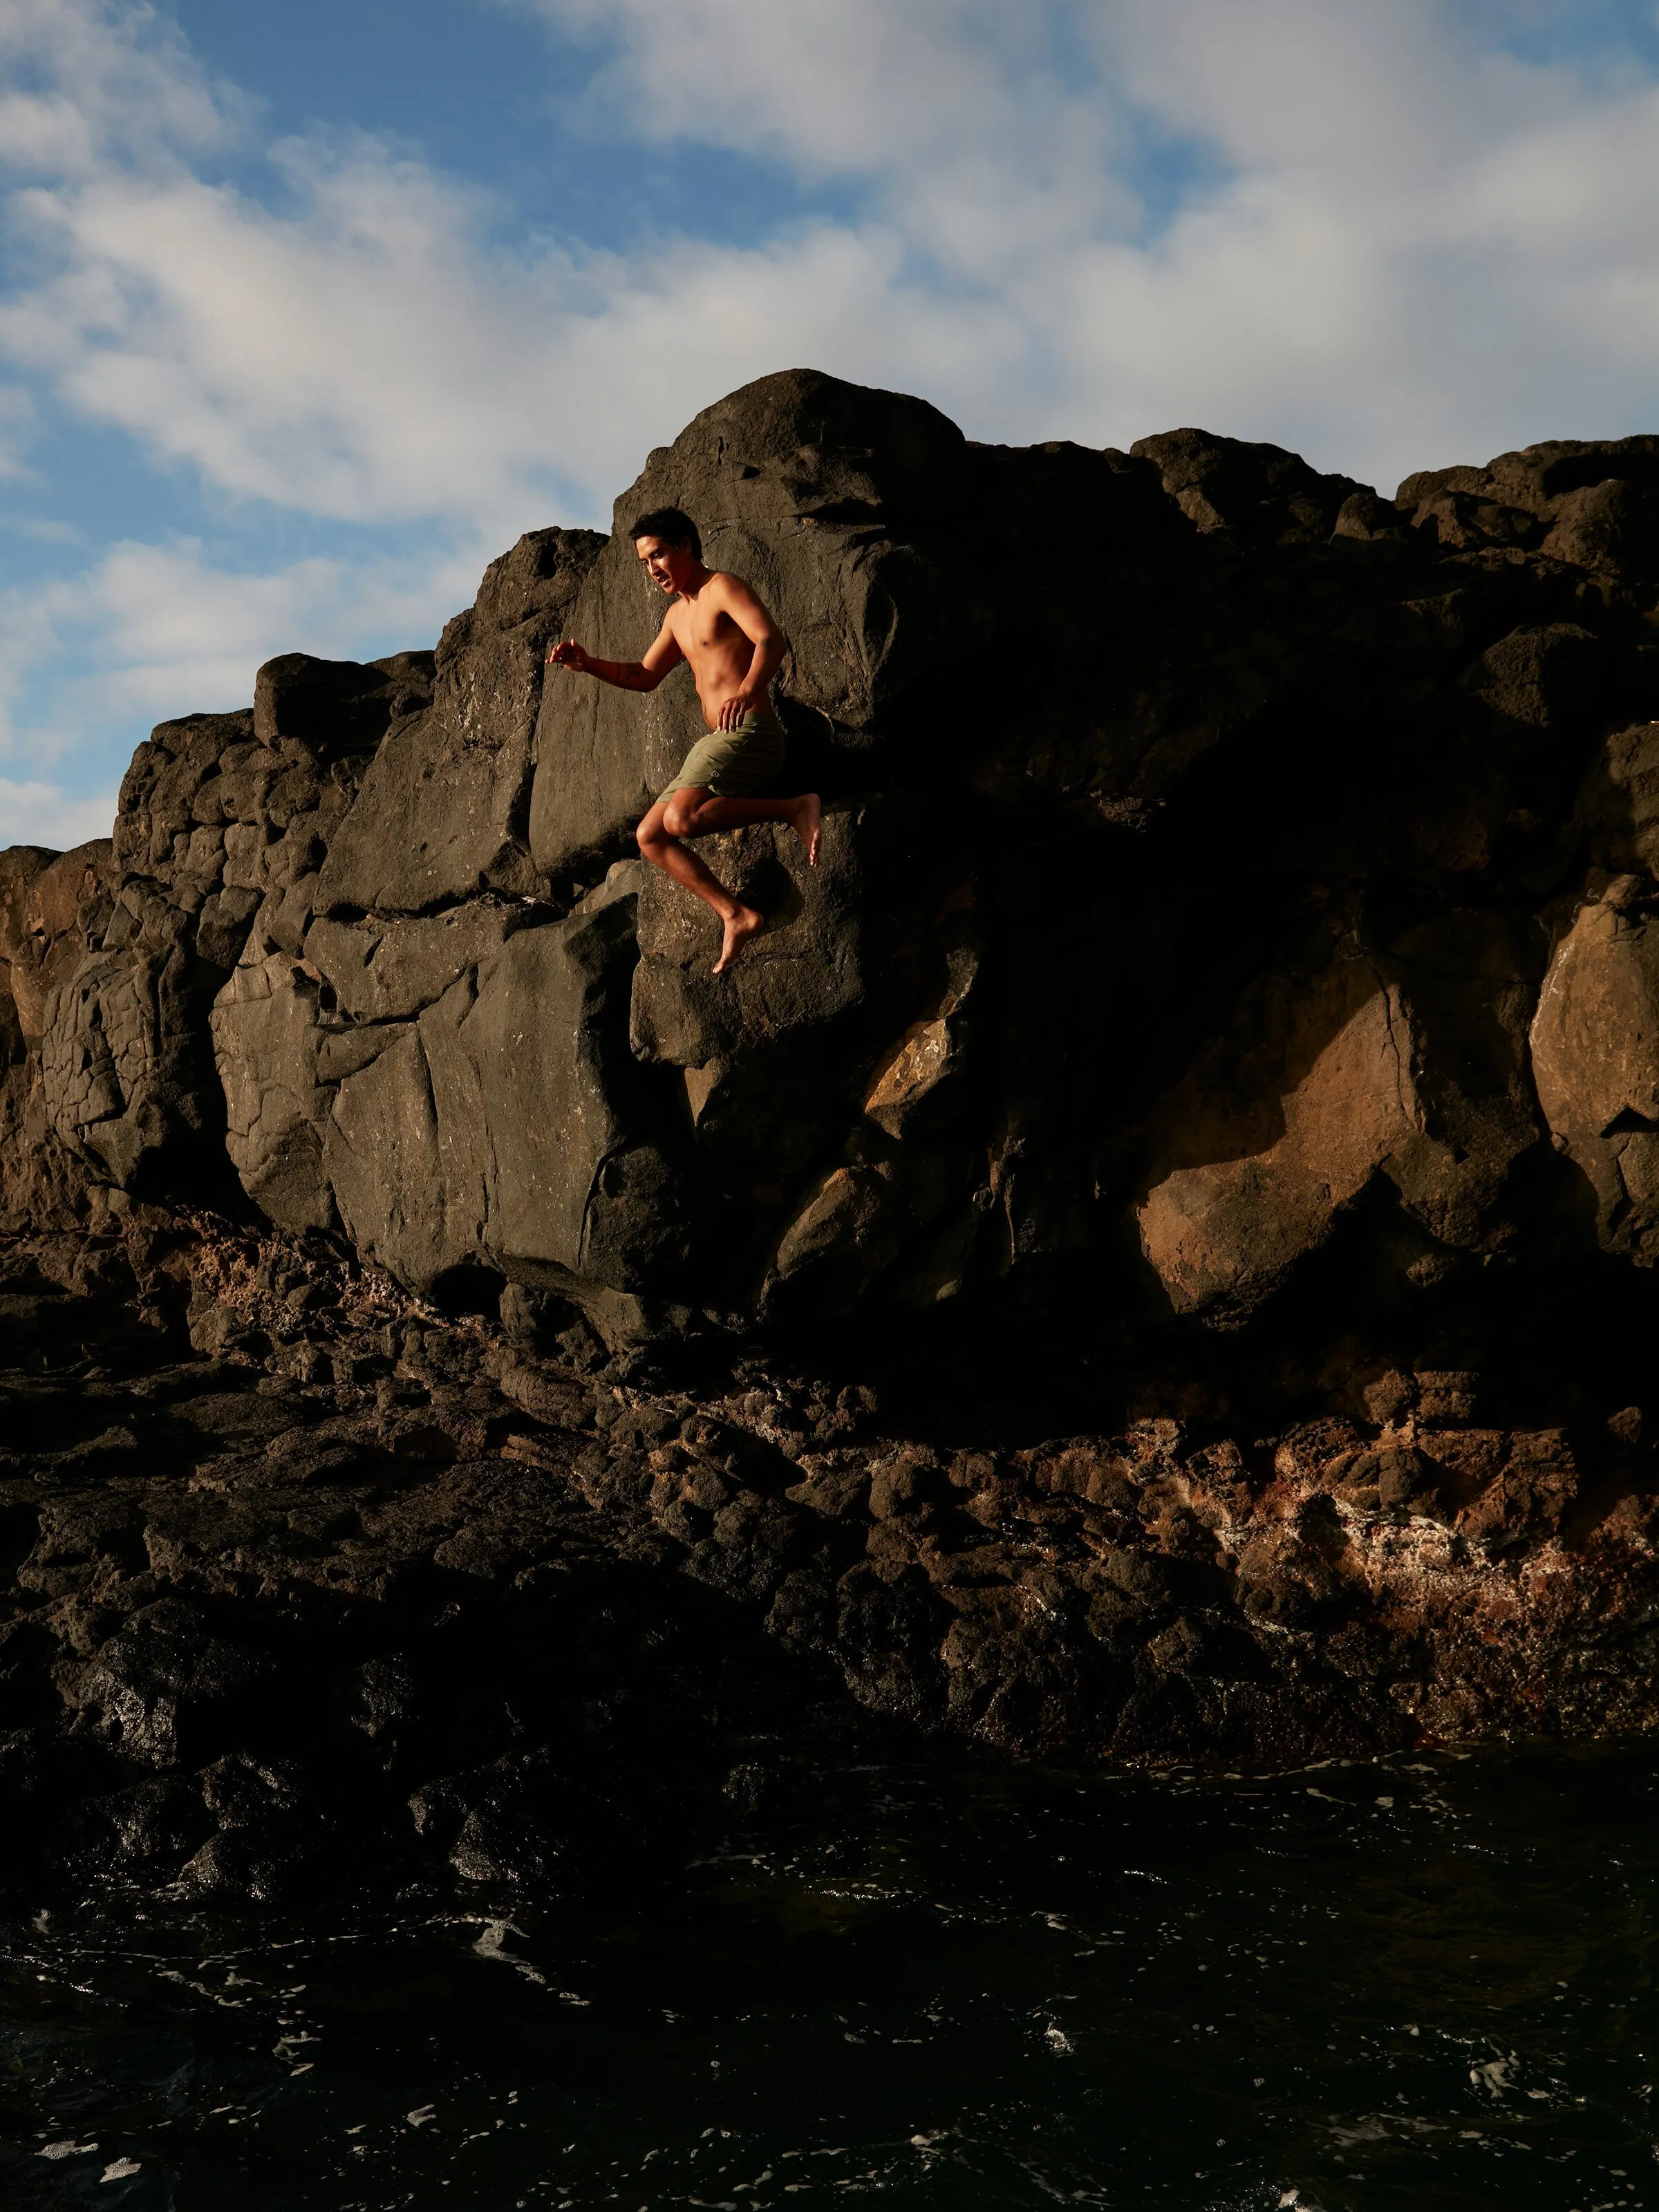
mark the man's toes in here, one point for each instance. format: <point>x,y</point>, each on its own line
<point>738,932</point>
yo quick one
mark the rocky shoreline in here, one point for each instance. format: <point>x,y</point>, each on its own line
<point>308,1583</point>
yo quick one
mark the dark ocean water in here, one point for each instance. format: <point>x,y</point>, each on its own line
<point>1424,1983</point>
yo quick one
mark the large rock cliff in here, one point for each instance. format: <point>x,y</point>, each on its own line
<point>1221,860</point>
<point>1210,1085</point>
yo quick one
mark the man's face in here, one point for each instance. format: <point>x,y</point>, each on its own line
<point>671,567</point>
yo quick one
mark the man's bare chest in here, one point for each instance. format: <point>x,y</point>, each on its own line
<point>705,636</point>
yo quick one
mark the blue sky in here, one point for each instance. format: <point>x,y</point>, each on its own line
<point>305,312</point>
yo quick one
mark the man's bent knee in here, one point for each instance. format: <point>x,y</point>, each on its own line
<point>678,816</point>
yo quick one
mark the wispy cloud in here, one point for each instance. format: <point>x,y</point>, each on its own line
<point>83,82</point>
<point>1408,242</point>
<point>149,632</point>
<point>43,814</point>
<point>1400,241</point>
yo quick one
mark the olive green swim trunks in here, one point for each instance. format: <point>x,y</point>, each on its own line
<point>740,763</point>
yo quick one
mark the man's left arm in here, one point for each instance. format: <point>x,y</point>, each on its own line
<point>770,645</point>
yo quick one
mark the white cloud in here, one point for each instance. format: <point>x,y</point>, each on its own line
<point>1379,276</point>
<point>170,610</point>
<point>94,80</point>
<point>148,633</point>
<point>967,113</point>
<point>43,814</point>
<point>1416,245</point>
<point>835,85</point>
<point>1361,95</point>
<point>161,625</point>
<point>373,357</point>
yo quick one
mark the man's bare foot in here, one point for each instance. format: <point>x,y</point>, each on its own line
<point>807,821</point>
<point>740,926</point>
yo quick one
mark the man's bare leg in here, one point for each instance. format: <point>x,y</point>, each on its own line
<point>659,835</point>
<point>805,816</point>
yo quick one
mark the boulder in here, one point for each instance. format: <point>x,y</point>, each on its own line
<point>1409,1063</point>
<point>224,819</point>
<point>337,709</point>
<point>52,907</point>
<point>226,827</point>
<point>939,620</point>
<point>843,1034</point>
<point>880,933</point>
<point>452,1090</point>
<point>1594,503</point>
<point>1259,493</point>
<point>267,1041</point>
<point>1274,1138</point>
<point>1595,1058</point>
<point>1617,803</point>
<point>443,813</point>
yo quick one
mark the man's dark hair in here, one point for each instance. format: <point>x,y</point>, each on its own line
<point>669,523</point>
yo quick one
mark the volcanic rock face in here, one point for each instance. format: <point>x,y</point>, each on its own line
<point>1200,830</point>
<point>53,909</point>
<point>353,1098</point>
<point>1231,977</point>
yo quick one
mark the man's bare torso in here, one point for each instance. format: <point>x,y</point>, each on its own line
<point>714,622</point>
<point>718,652</point>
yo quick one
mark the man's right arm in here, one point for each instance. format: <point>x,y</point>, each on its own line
<point>627,675</point>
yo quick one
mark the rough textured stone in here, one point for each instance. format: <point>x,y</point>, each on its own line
<point>1617,803</point>
<point>1199,830</point>
<point>1410,1065</point>
<point>362,1593</point>
<point>1593,504</point>
<point>1595,1058</point>
<point>1334,1100</point>
<point>267,1040</point>
<point>1260,493</point>
<point>811,489</point>
<point>52,907</point>
<point>444,811</point>
<point>224,821</point>
<point>472,1117</point>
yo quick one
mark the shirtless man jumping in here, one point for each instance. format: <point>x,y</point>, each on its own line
<point>716,622</point>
